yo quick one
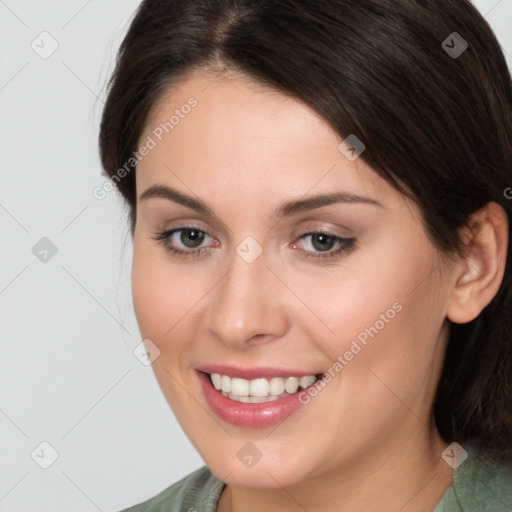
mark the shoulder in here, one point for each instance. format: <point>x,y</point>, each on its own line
<point>480,484</point>
<point>483,485</point>
<point>200,490</point>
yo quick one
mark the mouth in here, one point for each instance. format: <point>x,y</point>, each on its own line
<point>265,398</point>
<point>255,397</point>
<point>260,390</point>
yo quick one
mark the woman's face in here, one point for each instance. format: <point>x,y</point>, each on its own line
<point>256,295</point>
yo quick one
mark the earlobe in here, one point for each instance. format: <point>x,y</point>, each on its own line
<point>479,272</point>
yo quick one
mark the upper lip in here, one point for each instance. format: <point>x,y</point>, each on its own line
<point>253,372</point>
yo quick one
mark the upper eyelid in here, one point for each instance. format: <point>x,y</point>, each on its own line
<point>196,224</point>
<point>345,245</point>
<point>305,233</point>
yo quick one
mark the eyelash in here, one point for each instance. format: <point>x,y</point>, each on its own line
<point>346,244</point>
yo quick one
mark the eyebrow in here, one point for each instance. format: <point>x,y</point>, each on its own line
<point>285,210</point>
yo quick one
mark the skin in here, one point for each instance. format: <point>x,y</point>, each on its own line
<point>367,438</point>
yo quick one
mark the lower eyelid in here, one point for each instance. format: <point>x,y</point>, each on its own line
<point>344,244</point>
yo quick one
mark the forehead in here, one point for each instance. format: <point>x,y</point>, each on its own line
<point>247,138</point>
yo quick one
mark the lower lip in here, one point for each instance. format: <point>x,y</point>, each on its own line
<point>247,415</point>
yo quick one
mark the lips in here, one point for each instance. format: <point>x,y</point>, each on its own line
<point>259,390</point>
<point>244,397</point>
<point>252,373</point>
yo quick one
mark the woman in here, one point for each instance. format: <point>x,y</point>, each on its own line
<point>321,272</point>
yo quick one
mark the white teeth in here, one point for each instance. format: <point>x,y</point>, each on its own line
<point>217,381</point>
<point>226,384</point>
<point>259,387</point>
<point>291,385</point>
<point>254,399</point>
<point>258,399</point>
<point>307,381</point>
<point>259,390</point>
<point>276,386</point>
<point>240,387</point>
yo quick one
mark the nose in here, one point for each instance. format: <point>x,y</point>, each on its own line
<point>247,306</point>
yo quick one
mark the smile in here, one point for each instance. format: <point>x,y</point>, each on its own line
<point>253,397</point>
<point>260,390</point>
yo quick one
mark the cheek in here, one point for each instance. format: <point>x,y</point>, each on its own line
<point>163,296</point>
<point>382,317</point>
<point>165,302</point>
<point>357,302</point>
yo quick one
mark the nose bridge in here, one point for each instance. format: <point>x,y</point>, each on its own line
<point>246,302</point>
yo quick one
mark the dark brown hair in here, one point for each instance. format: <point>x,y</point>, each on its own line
<point>436,126</point>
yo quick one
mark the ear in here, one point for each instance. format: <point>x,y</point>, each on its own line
<point>479,272</point>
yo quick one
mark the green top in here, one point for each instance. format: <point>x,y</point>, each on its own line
<point>479,485</point>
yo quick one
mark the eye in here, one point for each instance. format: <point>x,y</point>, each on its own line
<point>186,241</point>
<point>190,239</point>
<point>321,245</point>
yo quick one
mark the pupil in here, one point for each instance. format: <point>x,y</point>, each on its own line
<point>324,239</point>
<point>193,235</point>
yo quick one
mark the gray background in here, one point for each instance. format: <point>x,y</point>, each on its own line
<point>68,375</point>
